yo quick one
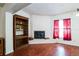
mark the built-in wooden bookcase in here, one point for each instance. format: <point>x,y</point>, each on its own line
<point>20,31</point>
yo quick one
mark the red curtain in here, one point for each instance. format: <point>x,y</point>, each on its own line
<point>56,29</point>
<point>67,29</point>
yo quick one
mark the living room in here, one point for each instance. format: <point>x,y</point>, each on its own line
<point>41,26</point>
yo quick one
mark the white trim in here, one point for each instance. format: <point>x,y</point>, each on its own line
<point>9,52</point>
<point>41,41</point>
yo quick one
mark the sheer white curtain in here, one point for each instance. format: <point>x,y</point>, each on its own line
<point>61,29</point>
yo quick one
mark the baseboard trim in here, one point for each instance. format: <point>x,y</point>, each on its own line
<point>9,52</point>
<point>68,44</point>
<point>37,41</point>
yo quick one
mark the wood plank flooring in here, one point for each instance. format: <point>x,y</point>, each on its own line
<point>47,50</point>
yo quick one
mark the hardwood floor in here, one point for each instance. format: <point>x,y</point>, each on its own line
<point>47,50</point>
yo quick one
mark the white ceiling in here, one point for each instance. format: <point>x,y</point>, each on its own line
<point>50,8</point>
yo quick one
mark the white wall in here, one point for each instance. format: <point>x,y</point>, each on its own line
<point>2,23</point>
<point>42,23</point>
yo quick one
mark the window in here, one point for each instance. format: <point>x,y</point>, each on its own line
<point>62,29</point>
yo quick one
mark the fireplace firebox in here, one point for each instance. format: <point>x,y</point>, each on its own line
<point>39,34</point>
